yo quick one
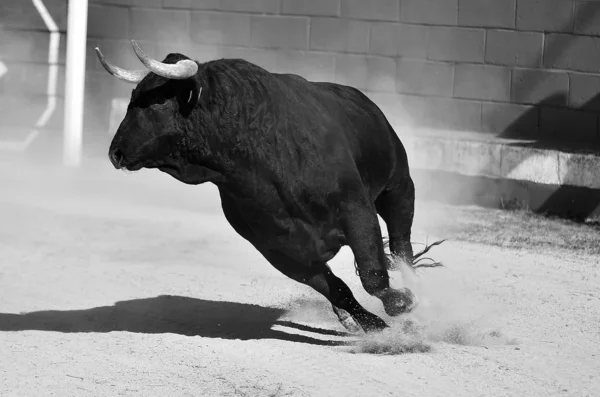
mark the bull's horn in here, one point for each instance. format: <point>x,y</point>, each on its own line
<point>183,69</point>
<point>130,76</point>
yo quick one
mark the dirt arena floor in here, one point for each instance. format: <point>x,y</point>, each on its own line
<point>115,284</point>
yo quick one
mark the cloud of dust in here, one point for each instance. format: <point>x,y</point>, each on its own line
<point>446,314</point>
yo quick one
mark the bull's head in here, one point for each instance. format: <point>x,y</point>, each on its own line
<point>154,132</point>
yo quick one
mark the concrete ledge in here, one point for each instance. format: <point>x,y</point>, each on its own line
<point>478,169</point>
<point>572,202</point>
<point>505,159</point>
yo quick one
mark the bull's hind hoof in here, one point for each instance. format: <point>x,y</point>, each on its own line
<point>398,301</point>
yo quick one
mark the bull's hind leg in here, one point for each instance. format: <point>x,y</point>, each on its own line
<point>320,277</point>
<point>396,207</point>
<point>364,238</point>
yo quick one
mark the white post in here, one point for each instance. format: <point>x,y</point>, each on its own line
<point>75,81</point>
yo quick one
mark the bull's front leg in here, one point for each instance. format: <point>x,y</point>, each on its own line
<point>320,277</point>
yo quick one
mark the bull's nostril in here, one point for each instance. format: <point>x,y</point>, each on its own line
<point>116,157</point>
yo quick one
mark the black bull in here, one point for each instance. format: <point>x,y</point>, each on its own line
<point>302,168</point>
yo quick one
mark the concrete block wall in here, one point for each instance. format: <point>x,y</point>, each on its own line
<point>522,68</point>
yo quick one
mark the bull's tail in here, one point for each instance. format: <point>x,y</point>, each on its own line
<point>417,259</point>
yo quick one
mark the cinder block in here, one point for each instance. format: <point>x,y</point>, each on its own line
<point>382,74</point>
<point>279,32</point>
<point>252,6</point>
<point>146,3</point>
<point>402,111</point>
<point>197,52</point>
<point>584,91</point>
<point>416,76</point>
<point>139,3</point>
<point>510,120</point>
<point>390,39</point>
<point>311,7</point>
<point>484,82</point>
<point>159,25</point>
<point>264,58</point>
<point>312,66</point>
<point>257,6</point>
<point>411,112</point>
<point>430,12</point>
<point>539,86</point>
<point>528,164</point>
<point>587,18</point>
<point>105,21</point>
<point>476,158</point>
<point>351,70</point>
<point>339,35</point>
<point>456,44</point>
<point>193,4</point>
<point>378,10</point>
<point>359,34</point>
<point>513,48</point>
<point>577,53</point>
<point>545,15</point>
<point>487,13</point>
<point>220,28</point>
<point>453,114</point>
<point>425,153</point>
<point>22,14</point>
<point>579,170</point>
<point>571,124</point>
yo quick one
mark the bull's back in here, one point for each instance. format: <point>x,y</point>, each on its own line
<point>337,127</point>
<point>375,148</point>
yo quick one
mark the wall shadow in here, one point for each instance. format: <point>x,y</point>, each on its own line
<point>171,314</point>
<point>549,135</point>
<point>566,201</point>
<point>567,129</point>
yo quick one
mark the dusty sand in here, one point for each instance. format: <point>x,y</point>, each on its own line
<point>114,284</point>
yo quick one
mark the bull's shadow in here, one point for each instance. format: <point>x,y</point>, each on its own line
<point>170,314</point>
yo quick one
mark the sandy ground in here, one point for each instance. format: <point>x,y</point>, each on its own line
<point>117,285</point>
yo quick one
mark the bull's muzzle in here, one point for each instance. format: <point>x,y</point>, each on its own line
<point>116,158</point>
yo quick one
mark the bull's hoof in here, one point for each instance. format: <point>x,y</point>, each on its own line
<point>351,325</point>
<point>398,301</point>
<point>347,321</point>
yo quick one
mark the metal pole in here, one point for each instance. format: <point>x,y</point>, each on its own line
<point>75,81</point>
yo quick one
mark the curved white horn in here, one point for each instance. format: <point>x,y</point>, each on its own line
<point>130,76</point>
<point>183,69</point>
